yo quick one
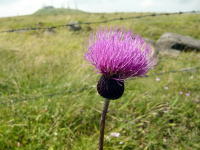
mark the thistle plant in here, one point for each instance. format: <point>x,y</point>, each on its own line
<point>117,55</point>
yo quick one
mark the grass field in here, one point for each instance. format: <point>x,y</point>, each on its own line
<point>48,99</point>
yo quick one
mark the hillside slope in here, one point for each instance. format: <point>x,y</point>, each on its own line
<point>56,11</point>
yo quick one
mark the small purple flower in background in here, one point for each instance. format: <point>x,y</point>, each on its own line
<point>157,79</point>
<point>117,55</point>
<point>187,94</point>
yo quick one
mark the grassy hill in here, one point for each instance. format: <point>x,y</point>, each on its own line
<point>56,11</point>
<point>48,98</point>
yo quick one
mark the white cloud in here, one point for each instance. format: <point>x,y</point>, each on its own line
<point>139,5</point>
<point>147,3</point>
<point>19,8</point>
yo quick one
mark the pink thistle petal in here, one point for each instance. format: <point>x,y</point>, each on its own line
<point>119,54</point>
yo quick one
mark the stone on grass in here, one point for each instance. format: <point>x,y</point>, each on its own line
<point>173,41</point>
<point>74,26</point>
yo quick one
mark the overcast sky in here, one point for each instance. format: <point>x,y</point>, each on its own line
<point>22,7</point>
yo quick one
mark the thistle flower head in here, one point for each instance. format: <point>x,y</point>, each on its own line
<point>119,54</point>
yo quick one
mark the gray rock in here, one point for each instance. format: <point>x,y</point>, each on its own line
<point>173,41</point>
<point>170,52</point>
<point>74,26</point>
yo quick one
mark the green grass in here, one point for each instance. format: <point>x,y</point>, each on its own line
<point>48,96</point>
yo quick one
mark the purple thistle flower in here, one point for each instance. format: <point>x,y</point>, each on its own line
<point>118,54</point>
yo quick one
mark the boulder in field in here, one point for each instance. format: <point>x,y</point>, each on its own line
<point>173,41</point>
<point>74,26</point>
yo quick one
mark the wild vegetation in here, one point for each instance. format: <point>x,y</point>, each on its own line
<point>48,98</point>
